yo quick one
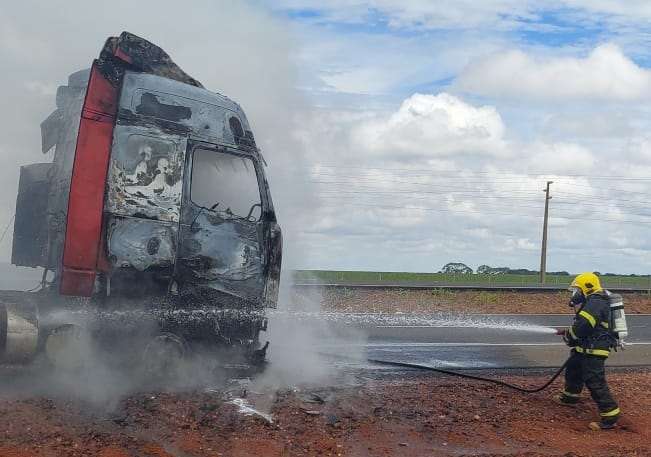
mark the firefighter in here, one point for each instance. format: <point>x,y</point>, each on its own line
<point>591,342</point>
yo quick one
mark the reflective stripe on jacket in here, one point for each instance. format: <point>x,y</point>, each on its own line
<point>590,327</point>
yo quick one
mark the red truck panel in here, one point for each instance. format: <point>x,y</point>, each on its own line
<point>82,251</point>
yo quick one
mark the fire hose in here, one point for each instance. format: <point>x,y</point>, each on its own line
<point>469,376</point>
<point>559,331</point>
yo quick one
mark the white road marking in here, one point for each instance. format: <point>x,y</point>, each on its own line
<point>569,314</point>
<point>452,326</point>
<point>642,343</point>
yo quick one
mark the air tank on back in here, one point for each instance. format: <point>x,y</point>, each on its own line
<point>617,316</point>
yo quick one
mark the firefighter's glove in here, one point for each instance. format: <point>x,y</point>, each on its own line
<point>568,339</point>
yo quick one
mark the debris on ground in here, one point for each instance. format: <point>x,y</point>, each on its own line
<point>414,416</point>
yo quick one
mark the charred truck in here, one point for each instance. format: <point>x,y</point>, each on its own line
<point>154,216</point>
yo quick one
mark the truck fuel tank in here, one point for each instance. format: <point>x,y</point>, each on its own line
<point>18,336</point>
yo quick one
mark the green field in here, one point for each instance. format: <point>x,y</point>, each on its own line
<point>392,277</point>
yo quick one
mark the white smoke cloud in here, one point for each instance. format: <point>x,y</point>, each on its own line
<point>235,48</point>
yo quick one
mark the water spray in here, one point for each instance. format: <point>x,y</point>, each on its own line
<point>494,325</point>
<point>535,328</point>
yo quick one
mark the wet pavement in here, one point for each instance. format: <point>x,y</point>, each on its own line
<point>515,341</point>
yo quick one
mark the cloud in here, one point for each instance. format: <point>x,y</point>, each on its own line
<point>466,14</point>
<point>559,158</point>
<point>520,244</point>
<point>635,9</point>
<point>605,74</point>
<point>638,151</point>
<point>381,63</point>
<point>590,124</point>
<point>432,126</point>
<point>428,166</point>
<point>439,177</point>
<point>414,13</point>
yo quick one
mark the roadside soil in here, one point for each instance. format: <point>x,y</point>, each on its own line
<point>376,414</point>
<point>444,300</point>
<point>419,415</point>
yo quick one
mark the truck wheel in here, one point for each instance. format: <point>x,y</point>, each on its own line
<point>68,348</point>
<point>163,357</point>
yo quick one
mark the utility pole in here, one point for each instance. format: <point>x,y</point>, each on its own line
<point>543,253</point>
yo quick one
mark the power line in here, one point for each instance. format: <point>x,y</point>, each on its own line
<point>480,195</point>
<point>373,180</point>
<point>513,180</point>
<point>580,199</point>
<point>464,179</point>
<point>408,193</point>
<point>613,189</point>
<point>458,171</point>
<point>565,214</point>
<point>413,208</point>
<point>475,199</point>
<point>432,185</point>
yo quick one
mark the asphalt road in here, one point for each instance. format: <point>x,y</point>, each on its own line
<point>491,328</point>
<point>515,341</point>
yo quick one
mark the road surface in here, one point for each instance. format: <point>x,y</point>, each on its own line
<point>500,346</point>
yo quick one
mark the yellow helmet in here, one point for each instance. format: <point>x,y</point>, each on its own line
<point>588,283</point>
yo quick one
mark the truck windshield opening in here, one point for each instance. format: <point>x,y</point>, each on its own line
<point>225,183</point>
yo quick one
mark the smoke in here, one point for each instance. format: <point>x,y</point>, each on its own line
<point>99,357</point>
<point>307,351</point>
<point>236,48</point>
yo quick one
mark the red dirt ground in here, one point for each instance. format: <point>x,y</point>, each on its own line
<point>425,301</point>
<point>422,416</point>
<point>415,416</point>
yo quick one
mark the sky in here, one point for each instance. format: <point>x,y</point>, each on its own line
<point>400,135</point>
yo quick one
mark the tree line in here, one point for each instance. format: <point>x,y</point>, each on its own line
<point>462,268</point>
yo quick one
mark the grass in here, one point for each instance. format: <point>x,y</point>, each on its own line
<point>442,293</point>
<point>488,298</point>
<point>393,277</point>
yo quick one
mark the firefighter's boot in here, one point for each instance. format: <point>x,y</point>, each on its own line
<point>597,426</point>
<point>608,420</point>
<point>567,399</point>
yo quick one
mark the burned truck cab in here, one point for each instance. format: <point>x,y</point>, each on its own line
<point>188,208</point>
<point>156,200</point>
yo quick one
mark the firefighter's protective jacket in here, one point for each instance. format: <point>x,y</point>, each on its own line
<point>589,333</point>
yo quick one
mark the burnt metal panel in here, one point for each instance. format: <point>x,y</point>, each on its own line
<point>70,100</point>
<point>222,254</point>
<point>146,173</point>
<point>146,57</point>
<point>273,264</point>
<point>141,244</point>
<point>83,237</point>
<point>207,115</point>
<point>30,227</point>
<point>50,130</point>
<point>150,105</point>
